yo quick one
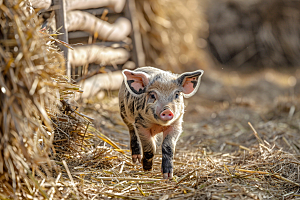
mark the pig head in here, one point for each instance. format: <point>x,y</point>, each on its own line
<point>151,102</point>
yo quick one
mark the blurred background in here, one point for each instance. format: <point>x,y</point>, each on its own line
<point>223,35</point>
<point>254,34</point>
<point>249,50</point>
<point>239,35</point>
<point>245,36</point>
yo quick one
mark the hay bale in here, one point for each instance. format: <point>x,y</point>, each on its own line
<point>173,33</point>
<point>32,85</point>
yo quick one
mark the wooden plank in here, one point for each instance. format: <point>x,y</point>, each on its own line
<point>60,18</point>
<point>98,11</point>
<point>75,36</point>
<point>138,55</point>
<point>78,34</point>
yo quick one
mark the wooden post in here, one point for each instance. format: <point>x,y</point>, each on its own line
<point>138,55</point>
<point>60,18</point>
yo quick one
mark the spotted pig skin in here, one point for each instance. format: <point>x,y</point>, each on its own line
<point>151,102</point>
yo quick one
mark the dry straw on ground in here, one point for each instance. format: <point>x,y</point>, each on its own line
<point>262,170</point>
<point>36,111</point>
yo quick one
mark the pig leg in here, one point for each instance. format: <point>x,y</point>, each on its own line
<point>134,143</point>
<point>148,145</point>
<point>168,148</point>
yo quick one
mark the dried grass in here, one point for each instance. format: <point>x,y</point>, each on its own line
<point>36,110</point>
<point>260,171</point>
<point>32,86</point>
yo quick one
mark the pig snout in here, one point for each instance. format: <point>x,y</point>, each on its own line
<point>166,115</point>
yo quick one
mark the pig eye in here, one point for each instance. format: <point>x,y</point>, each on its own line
<point>152,96</point>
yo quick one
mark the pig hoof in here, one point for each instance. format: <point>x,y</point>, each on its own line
<point>136,157</point>
<point>168,175</point>
<point>147,164</point>
<point>147,167</point>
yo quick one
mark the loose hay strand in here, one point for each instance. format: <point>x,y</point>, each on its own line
<point>255,133</point>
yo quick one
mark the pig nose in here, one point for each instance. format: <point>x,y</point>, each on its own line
<point>166,115</point>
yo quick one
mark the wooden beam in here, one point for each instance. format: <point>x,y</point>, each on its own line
<point>60,18</point>
<point>138,55</point>
<point>98,11</point>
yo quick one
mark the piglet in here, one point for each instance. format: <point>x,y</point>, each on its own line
<point>151,102</point>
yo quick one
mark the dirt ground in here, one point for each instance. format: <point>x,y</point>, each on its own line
<point>217,117</point>
<point>217,127</point>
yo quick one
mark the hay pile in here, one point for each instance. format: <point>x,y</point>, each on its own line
<point>263,168</point>
<point>32,86</point>
<point>173,33</point>
<point>259,172</point>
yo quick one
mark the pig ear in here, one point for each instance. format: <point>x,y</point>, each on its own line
<point>190,82</point>
<point>135,82</point>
